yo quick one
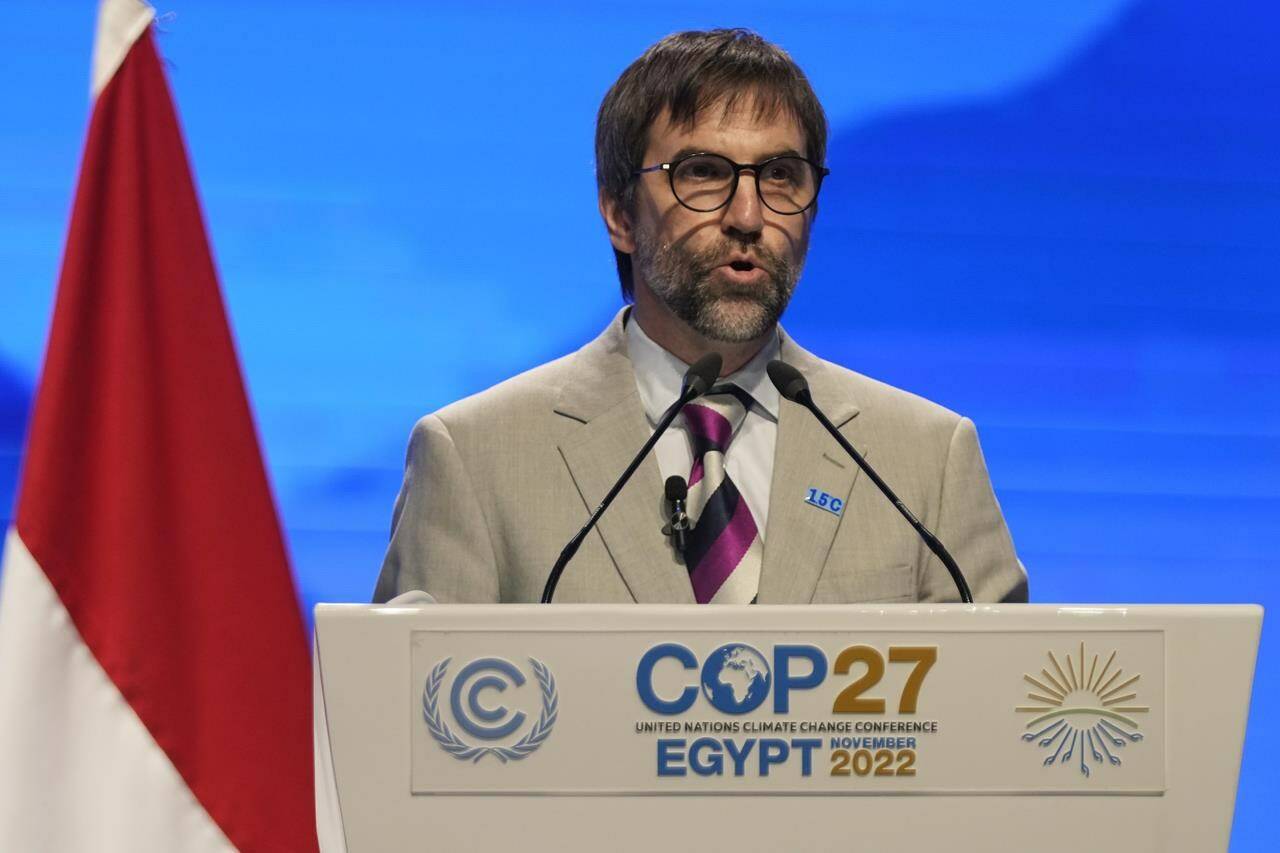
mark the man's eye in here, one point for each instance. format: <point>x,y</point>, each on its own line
<point>703,170</point>
<point>781,173</point>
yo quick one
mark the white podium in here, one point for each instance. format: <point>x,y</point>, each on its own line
<point>861,727</point>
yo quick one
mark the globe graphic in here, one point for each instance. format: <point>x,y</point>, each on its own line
<point>736,678</point>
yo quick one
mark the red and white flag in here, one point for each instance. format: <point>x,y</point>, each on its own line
<point>154,671</point>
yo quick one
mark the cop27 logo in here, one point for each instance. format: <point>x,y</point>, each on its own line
<point>736,678</point>
<point>482,721</point>
<point>1078,715</point>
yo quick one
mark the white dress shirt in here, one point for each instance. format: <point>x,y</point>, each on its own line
<point>749,459</point>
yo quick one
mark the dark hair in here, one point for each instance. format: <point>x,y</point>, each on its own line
<point>684,74</point>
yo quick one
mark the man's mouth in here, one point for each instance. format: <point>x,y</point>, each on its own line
<point>740,271</point>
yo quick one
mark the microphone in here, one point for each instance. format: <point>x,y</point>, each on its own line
<point>677,492</point>
<point>792,385</point>
<point>700,376</point>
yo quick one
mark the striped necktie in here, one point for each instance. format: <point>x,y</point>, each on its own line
<point>724,548</point>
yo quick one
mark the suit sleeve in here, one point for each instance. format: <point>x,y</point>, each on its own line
<point>439,539</point>
<point>972,527</point>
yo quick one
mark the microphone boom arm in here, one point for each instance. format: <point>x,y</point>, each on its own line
<point>699,377</point>
<point>553,579</point>
<point>935,544</point>
<point>793,386</point>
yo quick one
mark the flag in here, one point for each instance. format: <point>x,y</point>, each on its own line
<point>154,671</point>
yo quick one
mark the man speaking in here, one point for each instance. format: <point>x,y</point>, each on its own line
<point>709,160</point>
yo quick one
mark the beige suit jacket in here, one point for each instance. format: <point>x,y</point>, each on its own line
<point>496,484</point>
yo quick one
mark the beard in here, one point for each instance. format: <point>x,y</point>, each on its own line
<point>716,308</point>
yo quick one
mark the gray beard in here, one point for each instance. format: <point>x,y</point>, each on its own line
<point>717,310</point>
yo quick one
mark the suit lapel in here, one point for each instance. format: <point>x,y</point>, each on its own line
<point>604,399</point>
<point>611,427</point>
<point>799,536</point>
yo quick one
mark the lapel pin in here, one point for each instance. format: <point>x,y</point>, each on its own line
<point>824,501</point>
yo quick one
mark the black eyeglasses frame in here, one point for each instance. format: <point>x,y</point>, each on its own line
<point>738,168</point>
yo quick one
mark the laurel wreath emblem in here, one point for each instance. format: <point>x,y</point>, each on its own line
<point>463,751</point>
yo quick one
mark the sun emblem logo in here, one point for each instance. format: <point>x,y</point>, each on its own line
<point>1085,715</point>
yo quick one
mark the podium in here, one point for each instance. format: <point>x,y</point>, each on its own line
<point>780,728</point>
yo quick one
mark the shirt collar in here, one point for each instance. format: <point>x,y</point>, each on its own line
<point>659,374</point>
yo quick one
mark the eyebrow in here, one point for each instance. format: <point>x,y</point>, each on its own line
<point>689,149</point>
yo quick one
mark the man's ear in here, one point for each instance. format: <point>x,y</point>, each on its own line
<point>618,221</point>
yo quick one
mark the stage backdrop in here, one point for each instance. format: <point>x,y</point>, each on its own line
<point>1058,219</point>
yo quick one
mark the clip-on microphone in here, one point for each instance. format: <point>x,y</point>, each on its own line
<point>678,527</point>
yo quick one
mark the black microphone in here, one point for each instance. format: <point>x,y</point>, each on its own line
<point>700,376</point>
<point>678,527</point>
<point>792,385</point>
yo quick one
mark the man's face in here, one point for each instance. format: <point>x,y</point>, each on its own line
<point>728,274</point>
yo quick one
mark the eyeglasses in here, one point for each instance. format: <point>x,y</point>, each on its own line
<point>707,182</point>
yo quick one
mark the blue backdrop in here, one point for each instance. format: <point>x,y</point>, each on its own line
<point>1058,219</point>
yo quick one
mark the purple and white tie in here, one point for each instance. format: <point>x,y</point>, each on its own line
<point>724,548</point>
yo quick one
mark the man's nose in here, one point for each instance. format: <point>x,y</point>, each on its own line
<point>743,214</point>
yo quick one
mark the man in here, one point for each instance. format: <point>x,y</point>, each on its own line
<point>709,156</point>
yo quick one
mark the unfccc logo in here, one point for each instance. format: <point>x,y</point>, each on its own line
<point>470,704</point>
